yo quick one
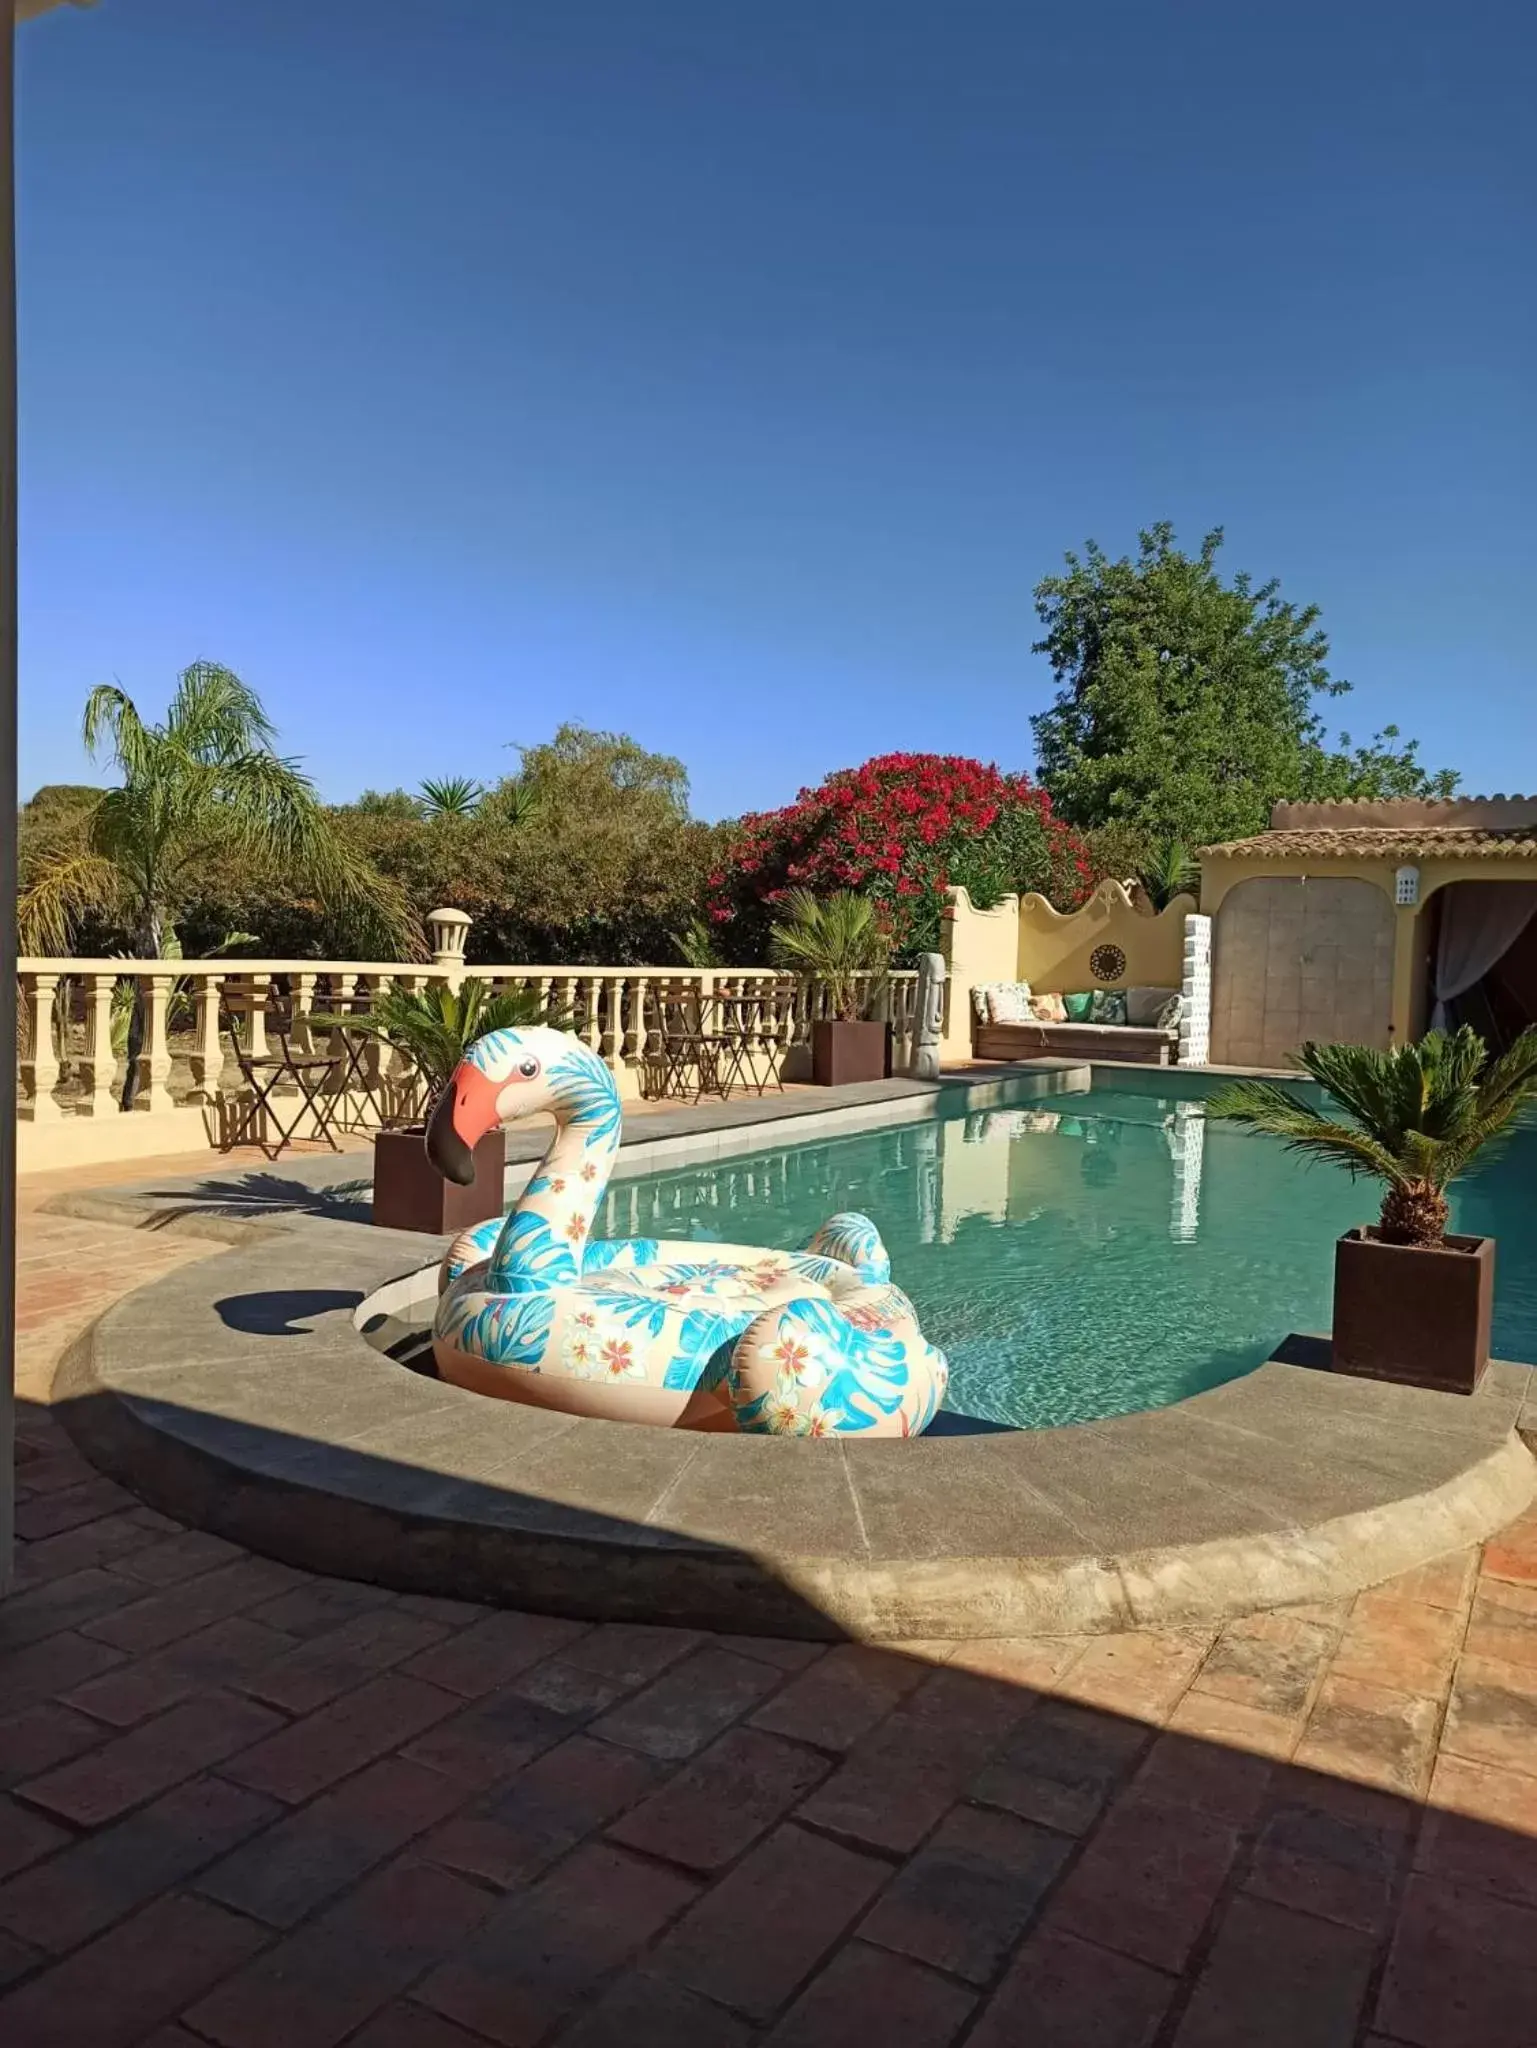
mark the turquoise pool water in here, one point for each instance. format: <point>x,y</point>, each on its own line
<point>1087,1255</point>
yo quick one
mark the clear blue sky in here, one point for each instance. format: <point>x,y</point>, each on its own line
<point>731,373</point>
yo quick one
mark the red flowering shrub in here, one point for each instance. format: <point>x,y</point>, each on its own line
<point>901,829</point>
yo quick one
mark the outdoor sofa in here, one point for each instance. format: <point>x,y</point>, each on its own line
<point>1010,1021</point>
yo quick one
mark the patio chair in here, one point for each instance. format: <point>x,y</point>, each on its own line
<point>312,1077</point>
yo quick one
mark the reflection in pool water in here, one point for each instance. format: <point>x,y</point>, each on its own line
<point>1101,1253</point>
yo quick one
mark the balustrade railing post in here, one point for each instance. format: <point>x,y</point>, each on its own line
<point>208,1051</point>
<point>40,1070</point>
<point>258,989</point>
<point>99,1068</point>
<point>301,1002</point>
<point>155,1059</point>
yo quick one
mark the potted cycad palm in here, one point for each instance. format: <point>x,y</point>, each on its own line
<point>838,941</point>
<point>435,1027</point>
<point>1411,1302</point>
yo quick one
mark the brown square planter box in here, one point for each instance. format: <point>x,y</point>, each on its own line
<point>1413,1313</point>
<point>842,1053</point>
<point>410,1193</point>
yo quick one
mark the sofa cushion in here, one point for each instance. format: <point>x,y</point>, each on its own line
<point>980,992</point>
<point>1079,1008</point>
<point>1109,1006</point>
<point>1048,1009</point>
<point>1008,1002</point>
<point>1156,1008</point>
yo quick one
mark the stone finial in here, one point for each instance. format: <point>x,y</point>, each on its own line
<point>447,931</point>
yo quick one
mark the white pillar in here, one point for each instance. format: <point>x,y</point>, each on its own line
<point>1195,991</point>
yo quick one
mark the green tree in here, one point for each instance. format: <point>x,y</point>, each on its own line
<point>1186,706</point>
<point>206,780</point>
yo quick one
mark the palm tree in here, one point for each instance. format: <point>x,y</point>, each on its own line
<point>696,945</point>
<point>836,938</point>
<point>450,796</point>
<point>1417,1116</point>
<point>208,776</point>
<point>1170,870</point>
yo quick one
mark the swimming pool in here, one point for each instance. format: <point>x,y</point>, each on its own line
<point>1087,1254</point>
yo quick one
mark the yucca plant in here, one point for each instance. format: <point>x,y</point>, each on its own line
<point>450,796</point>
<point>836,938</point>
<point>436,1026</point>
<point>1414,1117</point>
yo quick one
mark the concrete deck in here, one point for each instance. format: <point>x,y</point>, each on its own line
<point>238,1394</point>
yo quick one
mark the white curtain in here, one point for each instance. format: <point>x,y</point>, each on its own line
<point>1480,922</point>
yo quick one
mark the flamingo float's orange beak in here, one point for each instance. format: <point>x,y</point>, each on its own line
<point>465,1111</point>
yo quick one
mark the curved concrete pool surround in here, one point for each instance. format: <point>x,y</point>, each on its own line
<point>239,1394</point>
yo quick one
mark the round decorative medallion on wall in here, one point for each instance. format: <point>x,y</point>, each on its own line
<point>1107,963</point>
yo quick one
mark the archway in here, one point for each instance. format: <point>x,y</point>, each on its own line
<point>1482,956</point>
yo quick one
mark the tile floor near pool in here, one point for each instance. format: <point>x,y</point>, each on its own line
<point>245,1805</point>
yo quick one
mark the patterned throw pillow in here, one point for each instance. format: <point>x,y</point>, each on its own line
<point>1009,1002</point>
<point>1150,1008</point>
<point>1109,1006</point>
<point>1079,1008</point>
<point>980,997</point>
<point>1048,1010</point>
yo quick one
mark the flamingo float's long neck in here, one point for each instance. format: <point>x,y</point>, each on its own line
<point>543,1240</point>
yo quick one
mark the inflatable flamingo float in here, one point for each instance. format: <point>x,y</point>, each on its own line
<point>812,1343</point>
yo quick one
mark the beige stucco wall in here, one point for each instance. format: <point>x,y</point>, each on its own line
<point>1055,947</point>
<point>1024,939</point>
<point>979,946</point>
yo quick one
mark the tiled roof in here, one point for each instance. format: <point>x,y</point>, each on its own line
<point>1394,842</point>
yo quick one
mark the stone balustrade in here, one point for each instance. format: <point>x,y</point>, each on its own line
<point>74,1015</point>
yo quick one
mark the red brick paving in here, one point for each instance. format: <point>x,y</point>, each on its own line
<point>246,1806</point>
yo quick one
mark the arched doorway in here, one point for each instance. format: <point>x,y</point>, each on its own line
<point>1481,957</point>
<point>1295,958</point>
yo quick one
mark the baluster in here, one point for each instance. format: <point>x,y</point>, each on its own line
<point>402,1083</point>
<point>40,1070</point>
<point>258,988</point>
<point>591,1034</point>
<point>155,1060</point>
<point>301,1002</point>
<point>371,1066</point>
<point>208,1050</point>
<point>99,1068</point>
<point>639,1019</point>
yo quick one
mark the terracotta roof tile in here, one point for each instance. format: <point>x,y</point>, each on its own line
<point>1397,842</point>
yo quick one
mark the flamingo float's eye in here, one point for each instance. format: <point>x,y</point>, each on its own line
<point>528,1068</point>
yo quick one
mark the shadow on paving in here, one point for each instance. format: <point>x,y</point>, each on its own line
<point>248,1197</point>
<point>541,1830</point>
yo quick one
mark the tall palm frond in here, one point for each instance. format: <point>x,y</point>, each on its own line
<point>1170,870</point>
<point>1418,1115</point>
<point>62,891</point>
